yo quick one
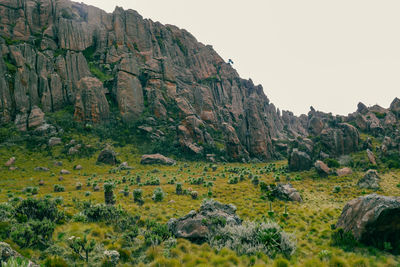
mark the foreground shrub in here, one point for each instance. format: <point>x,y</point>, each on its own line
<point>251,238</point>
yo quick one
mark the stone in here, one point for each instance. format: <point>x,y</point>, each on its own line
<point>78,167</point>
<point>370,180</point>
<point>90,103</point>
<point>10,162</point>
<point>286,192</point>
<point>373,220</point>
<point>371,157</point>
<point>58,163</point>
<point>54,141</point>
<point>299,161</point>
<point>124,166</point>
<point>42,169</point>
<point>322,168</point>
<point>61,178</point>
<point>63,171</point>
<point>196,226</point>
<point>344,172</point>
<point>157,159</point>
<point>107,156</point>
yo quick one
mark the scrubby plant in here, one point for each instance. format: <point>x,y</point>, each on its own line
<point>179,189</point>
<point>78,186</point>
<point>16,262</point>
<point>194,194</point>
<point>251,238</point>
<point>59,188</point>
<point>138,196</point>
<point>158,194</point>
<point>109,197</point>
<point>255,181</point>
<point>81,246</point>
<point>344,239</point>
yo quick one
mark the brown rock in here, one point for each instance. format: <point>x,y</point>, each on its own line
<point>322,168</point>
<point>373,220</point>
<point>344,172</point>
<point>91,104</point>
<point>197,226</point>
<point>10,162</point>
<point>299,161</point>
<point>286,192</point>
<point>107,156</point>
<point>371,157</point>
<point>157,159</point>
<point>370,180</point>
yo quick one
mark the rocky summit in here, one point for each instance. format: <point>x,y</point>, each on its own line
<point>59,55</point>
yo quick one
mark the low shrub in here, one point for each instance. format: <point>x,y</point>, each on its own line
<point>251,238</point>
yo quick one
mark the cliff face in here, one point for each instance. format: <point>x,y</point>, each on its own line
<point>56,53</point>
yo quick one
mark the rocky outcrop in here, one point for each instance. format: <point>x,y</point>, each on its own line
<point>370,180</point>
<point>299,161</point>
<point>371,157</point>
<point>322,168</point>
<point>198,225</point>
<point>286,192</point>
<point>373,220</point>
<point>157,159</point>
<point>57,53</point>
<point>107,156</point>
<point>344,172</point>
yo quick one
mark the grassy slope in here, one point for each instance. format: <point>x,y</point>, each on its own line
<point>310,221</point>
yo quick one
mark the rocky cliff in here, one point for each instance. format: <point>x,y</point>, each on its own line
<point>58,53</point>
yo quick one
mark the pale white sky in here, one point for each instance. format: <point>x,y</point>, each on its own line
<point>322,53</point>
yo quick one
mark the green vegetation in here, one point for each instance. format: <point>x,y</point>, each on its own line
<point>77,224</point>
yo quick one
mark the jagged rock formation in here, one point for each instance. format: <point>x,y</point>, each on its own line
<point>58,53</point>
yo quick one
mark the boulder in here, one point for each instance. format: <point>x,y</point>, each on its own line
<point>78,167</point>
<point>299,161</point>
<point>124,166</point>
<point>370,180</point>
<point>41,169</point>
<point>373,220</point>
<point>371,157</point>
<point>198,225</point>
<point>53,141</point>
<point>107,156</point>
<point>156,159</point>
<point>322,168</point>
<point>344,172</point>
<point>10,162</point>
<point>286,192</point>
<point>65,172</point>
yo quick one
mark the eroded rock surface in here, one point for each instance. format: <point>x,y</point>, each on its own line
<point>198,225</point>
<point>373,219</point>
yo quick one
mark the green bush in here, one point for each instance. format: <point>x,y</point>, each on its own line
<point>251,238</point>
<point>158,194</point>
<point>138,196</point>
<point>179,189</point>
<point>36,234</point>
<point>343,239</point>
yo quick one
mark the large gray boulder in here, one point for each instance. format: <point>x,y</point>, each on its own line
<point>370,180</point>
<point>299,161</point>
<point>157,159</point>
<point>198,225</point>
<point>286,192</point>
<point>108,156</point>
<point>322,168</point>
<point>373,220</point>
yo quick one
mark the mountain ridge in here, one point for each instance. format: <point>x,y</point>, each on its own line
<point>60,53</point>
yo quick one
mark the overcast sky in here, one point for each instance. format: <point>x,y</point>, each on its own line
<point>321,53</point>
